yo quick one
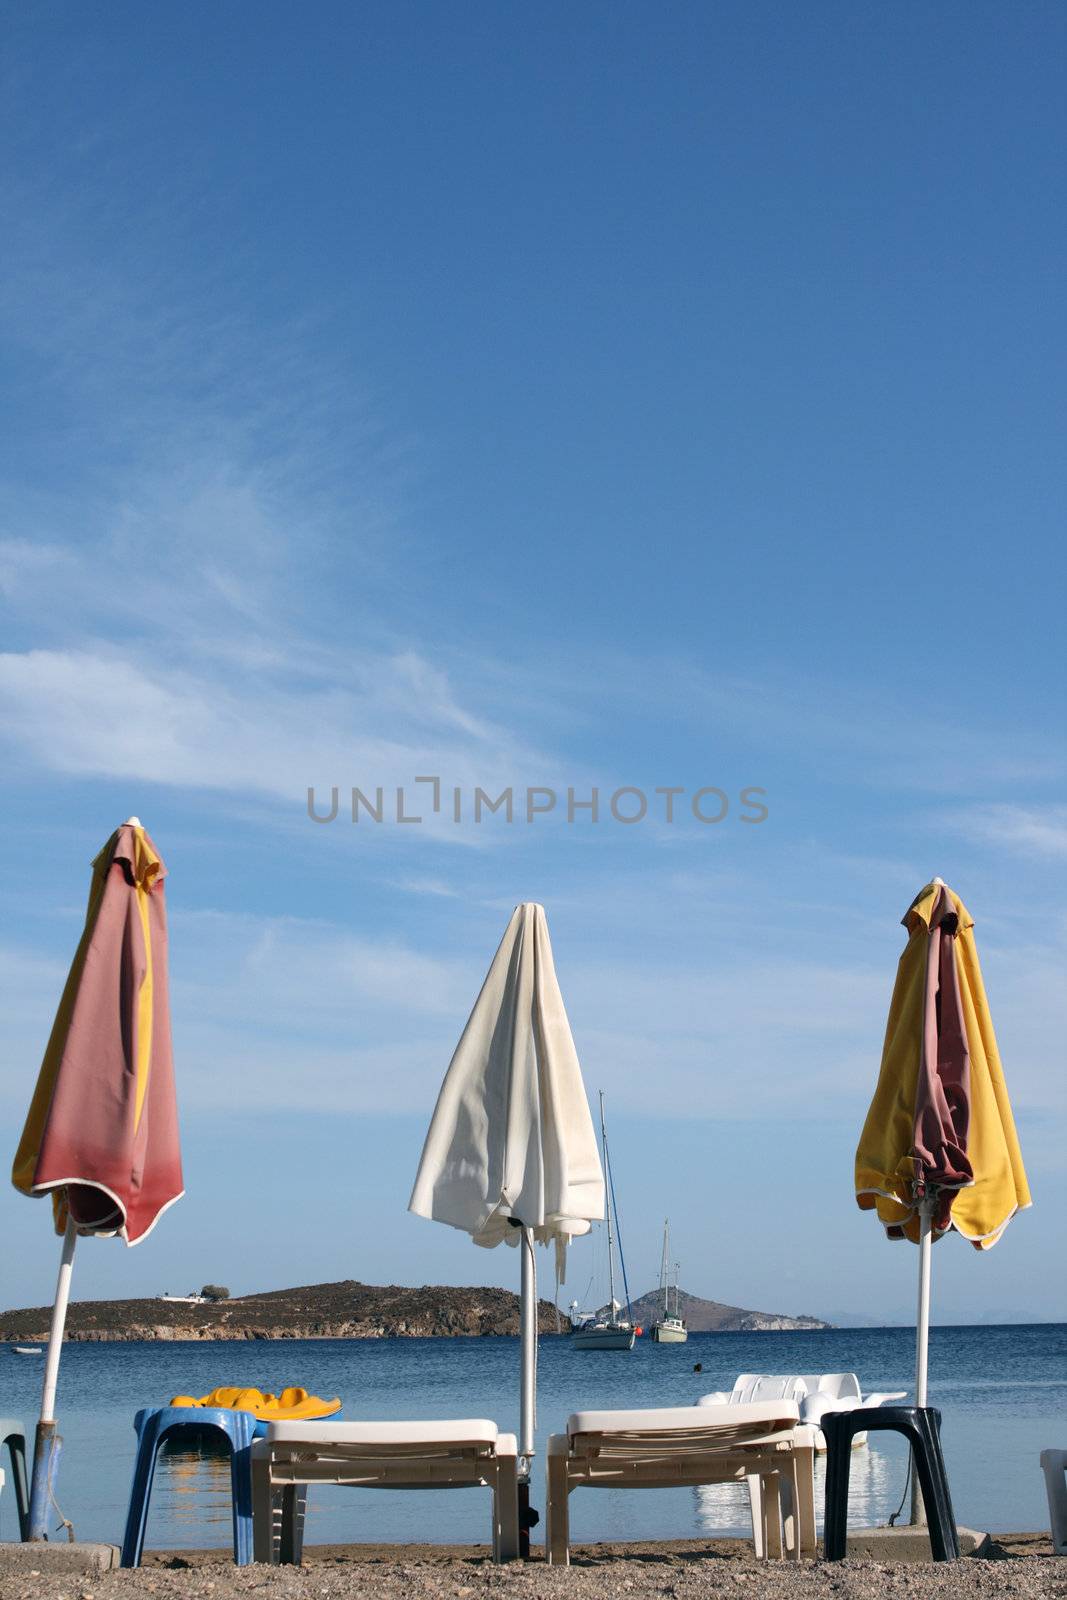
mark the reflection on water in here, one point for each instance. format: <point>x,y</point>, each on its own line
<point>875,1486</point>
<point>192,1491</point>
<point>192,1487</point>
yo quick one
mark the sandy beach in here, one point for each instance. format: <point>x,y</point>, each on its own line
<point>1017,1564</point>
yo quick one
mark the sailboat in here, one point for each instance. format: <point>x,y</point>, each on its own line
<point>610,1331</point>
<point>670,1328</point>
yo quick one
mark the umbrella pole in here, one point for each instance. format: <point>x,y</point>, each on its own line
<point>922,1337</point>
<point>528,1388</point>
<point>47,1442</point>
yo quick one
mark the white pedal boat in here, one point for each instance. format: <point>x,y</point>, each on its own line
<point>814,1393</point>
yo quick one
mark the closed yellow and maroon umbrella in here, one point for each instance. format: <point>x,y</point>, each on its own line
<point>101,1136</point>
<point>939,1152</point>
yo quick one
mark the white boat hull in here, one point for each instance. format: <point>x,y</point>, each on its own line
<point>603,1338</point>
<point>664,1333</point>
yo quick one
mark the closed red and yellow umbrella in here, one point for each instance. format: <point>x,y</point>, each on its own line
<point>101,1136</point>
<point>939,1152</point>
<point>940,1127</point>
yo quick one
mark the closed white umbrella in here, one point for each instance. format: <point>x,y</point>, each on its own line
<point>511,1155</point>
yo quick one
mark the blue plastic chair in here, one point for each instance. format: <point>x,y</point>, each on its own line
<point>187,1424</point>
<point>13,1435</point>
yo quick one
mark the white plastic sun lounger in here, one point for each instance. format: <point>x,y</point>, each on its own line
<point>816,1393</point>
<point>1054,1466</point>
<point>467,1453</point>
<point>762,1444</point>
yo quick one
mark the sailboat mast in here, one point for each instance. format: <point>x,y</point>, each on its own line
<point>664,1268</point>
<point>611,1251</point>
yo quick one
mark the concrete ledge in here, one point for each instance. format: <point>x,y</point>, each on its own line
<point>22,1559</point>
<point>908,1543</point>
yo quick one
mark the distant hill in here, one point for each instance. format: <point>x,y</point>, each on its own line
<point>859,1319</point>
<point>347,1310</point>
<point>712,1316</point>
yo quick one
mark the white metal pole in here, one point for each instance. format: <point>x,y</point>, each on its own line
<point>922,1336</point>
<point>59,1320</point>
<point>46,1442</point>
<point>922,1333</point>
<point>528,1329</point>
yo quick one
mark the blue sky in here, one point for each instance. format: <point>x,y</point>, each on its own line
<point>611,396</point>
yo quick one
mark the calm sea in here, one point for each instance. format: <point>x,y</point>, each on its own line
<point>1002,1391</point>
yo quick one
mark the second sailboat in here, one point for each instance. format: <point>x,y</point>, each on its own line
<point>669,1328</point>
<point>607,1330</point>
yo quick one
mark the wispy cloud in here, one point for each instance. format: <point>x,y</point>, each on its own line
<point>200,604</point>
<point>24,563</point>
<point>286,1012</point>
<point>1039,832</point>
<point>275,1013</point>
<point>215,605</point>
<point>166,647</point>
<point>30,989</point>
<point>437,888</point>
<point>113,713</point>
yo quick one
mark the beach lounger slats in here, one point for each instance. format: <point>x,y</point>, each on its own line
<point>376,1451</point>
<point>410,1455</point>
<point>762,1444</point>
<point>677,1431</point>
<point>686,1466</point>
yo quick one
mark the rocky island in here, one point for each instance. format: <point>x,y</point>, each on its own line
<point>346,1310</point>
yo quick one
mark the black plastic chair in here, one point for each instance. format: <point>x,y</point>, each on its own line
<point>921,1425</point>
<point>13,1434</point>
